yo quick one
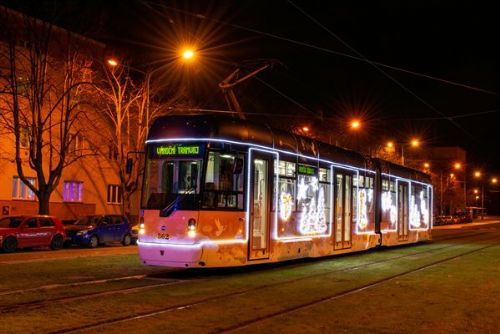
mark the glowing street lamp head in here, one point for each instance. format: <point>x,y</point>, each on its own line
<point>355,124</point>
<point>427,165</point>
<point>494,180</point>
<point>477,174</point>
<point>457,165</point>
<point>415,142</point>
<point>389,144</point>
<point>305,129</point>
<point>112,62</point>
<point>188,54</point>
<point>476,191</point>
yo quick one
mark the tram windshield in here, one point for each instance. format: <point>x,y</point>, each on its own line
<point>171,181</point>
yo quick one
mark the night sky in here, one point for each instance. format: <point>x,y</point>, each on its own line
<point>452,40</point>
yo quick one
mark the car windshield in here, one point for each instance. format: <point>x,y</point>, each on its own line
<point>88,220</point>
<point>10,222</point>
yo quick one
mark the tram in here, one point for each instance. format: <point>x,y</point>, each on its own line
<point>223,192</point>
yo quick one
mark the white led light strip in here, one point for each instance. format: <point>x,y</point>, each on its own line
<point>274,151</point>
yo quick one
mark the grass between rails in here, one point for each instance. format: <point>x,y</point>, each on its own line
<point>225,312</point>
<point>460,296</point>
<point>220,314</point>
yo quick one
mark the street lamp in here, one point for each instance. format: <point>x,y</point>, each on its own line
<point>355,124</point>
<point>414,143</point>
<point>112,62</point>
<point>186,55</point>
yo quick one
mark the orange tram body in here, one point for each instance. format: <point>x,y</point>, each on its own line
<point>223,192</point>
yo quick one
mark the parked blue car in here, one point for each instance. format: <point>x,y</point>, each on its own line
<point>92,231</point>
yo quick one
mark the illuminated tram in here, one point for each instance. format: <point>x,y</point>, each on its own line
<point>224,192</point>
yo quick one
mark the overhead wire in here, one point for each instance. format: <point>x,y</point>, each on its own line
<point>326,50</point>
<point>409,91</point>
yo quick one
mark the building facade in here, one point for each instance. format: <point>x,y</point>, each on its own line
<point>89,182</point>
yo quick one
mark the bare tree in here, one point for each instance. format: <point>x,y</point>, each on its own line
<point>129,110</point>
<point>43,83</point>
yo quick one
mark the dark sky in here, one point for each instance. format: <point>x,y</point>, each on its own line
<point>452,40</point>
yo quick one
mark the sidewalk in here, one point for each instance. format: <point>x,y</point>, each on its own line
<point>478,222</point>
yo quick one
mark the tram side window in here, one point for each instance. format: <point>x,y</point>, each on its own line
<point>286,188</point>
<point>325,189</point>
<point>419,206</point>
<point>365,199</point>
<point>388,201</point>
<point>311,202</point>
<point>224,181</point>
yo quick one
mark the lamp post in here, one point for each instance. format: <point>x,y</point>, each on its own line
<point>478,175</point>
<point>414,143</point>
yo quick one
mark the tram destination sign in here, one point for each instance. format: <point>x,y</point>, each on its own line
<point>306,170</point>
<point>183,150</point>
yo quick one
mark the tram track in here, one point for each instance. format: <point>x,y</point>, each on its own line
<point>144,276</point>
<point>248,323</point>
<point>61,300</point>
<point>241,292</point>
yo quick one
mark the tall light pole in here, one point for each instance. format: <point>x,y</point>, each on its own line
<point>478,175</point>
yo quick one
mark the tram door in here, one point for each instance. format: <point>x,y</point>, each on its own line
<point>403,211</point>
<point>343,210</point>
<point>260,199</point>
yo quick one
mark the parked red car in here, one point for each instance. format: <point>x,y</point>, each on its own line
<point>31,231</point>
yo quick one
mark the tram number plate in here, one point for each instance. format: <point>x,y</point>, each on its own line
<point>165,236</point>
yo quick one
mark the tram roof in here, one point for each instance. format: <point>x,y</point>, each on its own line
<point>393,169</point>
<point>217,127</point>
<point>246,132</point>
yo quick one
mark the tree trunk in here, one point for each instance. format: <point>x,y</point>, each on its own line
<point>43,202</point>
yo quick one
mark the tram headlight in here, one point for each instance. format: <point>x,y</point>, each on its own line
<point>191,227</point>
<point>141,225</point>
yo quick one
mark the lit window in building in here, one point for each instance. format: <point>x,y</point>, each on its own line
<point>20,190</point>
<point>114,194</point>
<point>72,191</point>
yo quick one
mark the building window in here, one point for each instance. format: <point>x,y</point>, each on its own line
<point>114,194</point>
<point>20,190</point>
<point>72,191</point>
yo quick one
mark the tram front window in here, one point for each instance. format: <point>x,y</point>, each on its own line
<point>171,182</point>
